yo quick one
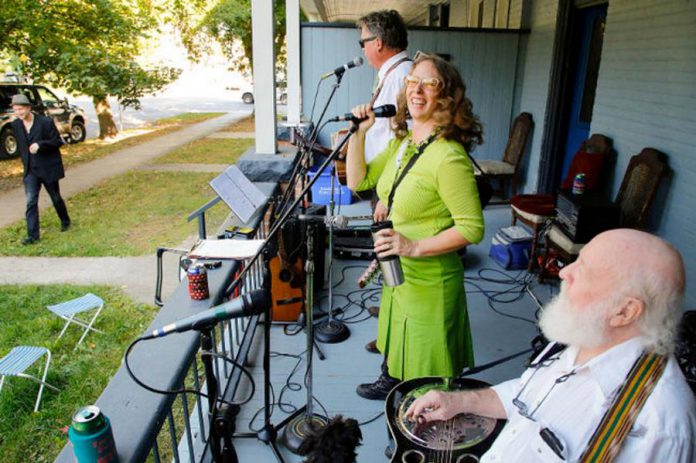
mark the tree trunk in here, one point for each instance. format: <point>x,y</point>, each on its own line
<point>107,127</point>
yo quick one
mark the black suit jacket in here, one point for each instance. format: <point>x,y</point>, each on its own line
<point>45,163</point>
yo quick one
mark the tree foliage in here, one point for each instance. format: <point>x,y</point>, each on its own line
<point>229,22</point>
<point>85,47</point>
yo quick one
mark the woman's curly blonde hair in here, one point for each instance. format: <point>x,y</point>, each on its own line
<point>453,115</point>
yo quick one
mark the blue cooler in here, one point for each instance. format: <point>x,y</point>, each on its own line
<point>321,190</point>
<point>511,247</point>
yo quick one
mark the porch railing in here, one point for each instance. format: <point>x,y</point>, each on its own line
<point>153,427</point>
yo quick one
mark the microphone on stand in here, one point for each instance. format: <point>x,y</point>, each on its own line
<point>387,110</point>
<point>355,62</point>
<point>251,303</point>
<point>338,221</point>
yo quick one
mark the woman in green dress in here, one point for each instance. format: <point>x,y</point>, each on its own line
<point>423,323</point>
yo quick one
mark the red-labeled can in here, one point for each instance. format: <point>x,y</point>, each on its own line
<point>198,282</point>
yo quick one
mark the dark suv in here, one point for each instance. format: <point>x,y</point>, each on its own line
<point>69,119</point>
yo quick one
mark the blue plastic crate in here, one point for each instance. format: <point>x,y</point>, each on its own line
<point>321,190</point>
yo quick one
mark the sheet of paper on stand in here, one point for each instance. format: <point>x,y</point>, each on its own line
<point>225,249</point>
<point>238,192</point>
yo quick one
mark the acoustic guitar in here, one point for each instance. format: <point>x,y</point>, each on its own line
<point>287,283</point>
<point>461,439</point>
<point>340,161</point>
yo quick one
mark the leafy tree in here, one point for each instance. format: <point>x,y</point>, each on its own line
<point>86,47</point>
<point>229,22</point>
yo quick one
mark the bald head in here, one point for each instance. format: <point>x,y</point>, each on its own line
<point>645,277</point>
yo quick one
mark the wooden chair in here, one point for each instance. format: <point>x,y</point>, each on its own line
<point>536,210</point>
<point>636,194</point>
<point>507,169</point>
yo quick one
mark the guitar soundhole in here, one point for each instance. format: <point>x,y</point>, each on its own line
<point>285,275</point>
<point>413,456</point>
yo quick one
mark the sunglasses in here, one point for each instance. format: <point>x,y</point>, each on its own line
<point>428,83</point>
<point>362,42</point>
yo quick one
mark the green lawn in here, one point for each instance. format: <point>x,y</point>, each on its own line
<point>128,215</point>
<point>208,151</point>
<point>80,374</point>
<point>11,169</point>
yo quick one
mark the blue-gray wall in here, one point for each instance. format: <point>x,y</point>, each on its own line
<point>646,97</point>
<point>487,61</point>
<point>536,52</point>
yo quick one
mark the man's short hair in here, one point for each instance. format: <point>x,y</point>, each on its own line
<point>389,26</point>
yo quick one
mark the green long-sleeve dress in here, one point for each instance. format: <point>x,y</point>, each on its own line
<point>423,323</point>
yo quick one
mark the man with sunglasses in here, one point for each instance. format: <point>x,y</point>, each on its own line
<point>619,304</point>
<point>383,40</point>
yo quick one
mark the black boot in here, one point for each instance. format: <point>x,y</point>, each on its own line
<point>377,390</point>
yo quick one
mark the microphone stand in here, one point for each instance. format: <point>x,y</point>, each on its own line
<point>223,416</point>
<point>269,431</point>
<point>310,143</point>
<point>332,331</point>
<point>301,426</point>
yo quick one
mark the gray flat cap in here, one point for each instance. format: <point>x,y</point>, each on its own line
<point>21,100</point>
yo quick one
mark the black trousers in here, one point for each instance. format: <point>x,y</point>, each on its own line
<point>32,187</point>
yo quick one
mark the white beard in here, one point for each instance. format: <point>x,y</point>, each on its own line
<point>564,323</point>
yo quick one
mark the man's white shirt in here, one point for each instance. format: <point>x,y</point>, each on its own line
<point>664,431</point>
<point>377,138</point>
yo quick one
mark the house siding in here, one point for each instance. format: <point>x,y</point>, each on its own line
<point>533,84</point>
<point>646,97</point>
<point>487,62</point>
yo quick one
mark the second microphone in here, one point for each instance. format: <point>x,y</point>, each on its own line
<point>387,110</point>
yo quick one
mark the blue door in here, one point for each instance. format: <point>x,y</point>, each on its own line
<point>585,56</point>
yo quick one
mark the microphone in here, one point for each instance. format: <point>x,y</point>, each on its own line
<point>355,62</point>
<point>387,110</point>
<point>251,303</point>
<point>338,221</point>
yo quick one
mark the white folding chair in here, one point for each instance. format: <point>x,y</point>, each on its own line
<point>19,360</point>
<point>67,311</point>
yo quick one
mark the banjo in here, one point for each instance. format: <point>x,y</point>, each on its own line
<point>461,439</point>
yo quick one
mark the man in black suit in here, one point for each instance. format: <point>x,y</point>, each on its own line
<point>39,144</point>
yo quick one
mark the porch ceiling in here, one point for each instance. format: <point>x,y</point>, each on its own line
<point>414,12</point>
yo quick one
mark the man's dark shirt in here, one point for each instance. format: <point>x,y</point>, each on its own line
<point>46,163</point>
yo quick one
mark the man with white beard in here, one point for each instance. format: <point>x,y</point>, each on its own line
<point>620,299</point>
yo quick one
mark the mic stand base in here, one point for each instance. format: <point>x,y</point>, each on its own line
<point>331,331</point>
<point>299,428</point>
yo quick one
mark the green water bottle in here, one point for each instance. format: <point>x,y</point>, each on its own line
<point>91,436</point>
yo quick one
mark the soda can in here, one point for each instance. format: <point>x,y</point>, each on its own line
<point>579,184</point>
<point>91,436</point>
<point>198,282</point>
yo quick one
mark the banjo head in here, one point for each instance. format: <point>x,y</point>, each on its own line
<point>459,433</point>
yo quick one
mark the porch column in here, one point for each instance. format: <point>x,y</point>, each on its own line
<point>264,76</point>
<point>292,31</point>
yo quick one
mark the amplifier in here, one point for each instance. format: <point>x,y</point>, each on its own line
<point>582,217</point>
<point>353,243</point>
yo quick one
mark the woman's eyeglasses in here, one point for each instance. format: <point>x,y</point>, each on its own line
<point>428,83</point>
<point>362,42</point>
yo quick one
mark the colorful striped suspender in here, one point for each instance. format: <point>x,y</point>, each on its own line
<point>619,418</point>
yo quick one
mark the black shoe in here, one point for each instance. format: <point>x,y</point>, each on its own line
<point>388,452</point>
<point>64,226</point>
<point>29,240</point>
<point>377,390</point>
<point>371,347</point>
